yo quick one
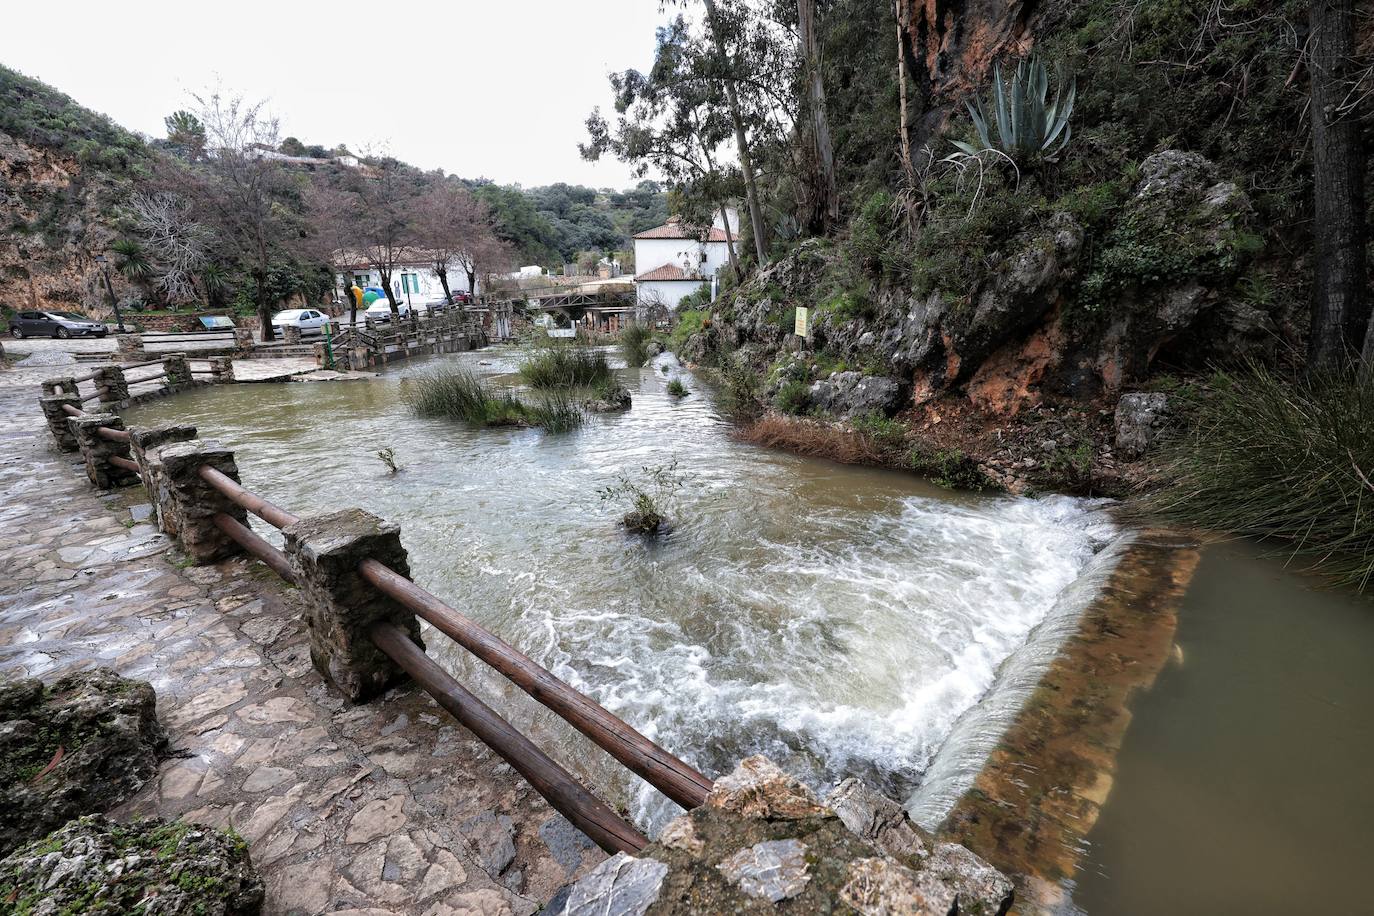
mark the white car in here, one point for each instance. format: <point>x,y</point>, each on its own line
<point>380,311</point>
<point>309,321</point>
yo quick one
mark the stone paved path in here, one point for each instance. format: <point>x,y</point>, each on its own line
<point>376,809</point>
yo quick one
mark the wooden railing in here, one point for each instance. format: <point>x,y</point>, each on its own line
<point>657,766</point>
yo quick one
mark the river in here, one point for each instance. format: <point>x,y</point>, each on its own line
<point>842,620</point>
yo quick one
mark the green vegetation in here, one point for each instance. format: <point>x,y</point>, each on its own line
<point>565,366</point>
<point>650,497</point>
<point>41,116</point>
<point>886,434</point>
<point>677,389</point>
<point>689,322</point>
<point>460,395</point>
<point>947,467</point>
<point>1281,458</point>
<point>387,456</point>
<point>794,397</point>
<point>634,344</point>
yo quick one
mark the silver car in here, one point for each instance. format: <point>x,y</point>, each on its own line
<point>55,324</point>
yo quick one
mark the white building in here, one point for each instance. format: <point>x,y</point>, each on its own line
<point>675,259</point>
<point>413,280</point>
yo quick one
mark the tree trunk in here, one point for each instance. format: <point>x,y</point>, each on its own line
<point>746,164</point>
<point>825,201</point>
<point>1340,312</point>
<point>730,244</point>
<point>385,274</point>
<point>264,307</point>
<point>903,117</point>
<point>443,281</point>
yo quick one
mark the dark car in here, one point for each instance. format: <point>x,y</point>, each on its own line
<point>55,324</point>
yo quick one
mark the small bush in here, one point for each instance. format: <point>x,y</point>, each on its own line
<point>688,323</point>
<point>1280,458</point>
<point>634,344</point>
<point>793,397</point>
<point>650,498</point>
<point>888,435</point>
<point>739,399</point>
<point>677,389</point>
<point>948,468</point>
<point>387,456</point>
<point>565,366</point>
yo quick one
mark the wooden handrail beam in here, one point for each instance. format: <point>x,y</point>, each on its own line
<point>251,542</point>
<point>72,410</point>
<point>114,435</point>
<point>122,462</point>
<point>587,812</point>
<point>275,516</point>
<point>658,767</point>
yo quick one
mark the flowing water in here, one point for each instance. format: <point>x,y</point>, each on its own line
<point>844,621</point>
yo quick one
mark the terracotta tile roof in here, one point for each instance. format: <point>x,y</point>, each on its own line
<point>676,229</point>
<point>666,272</point>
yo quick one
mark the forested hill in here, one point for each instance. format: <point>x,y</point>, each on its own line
<point>66,175</point>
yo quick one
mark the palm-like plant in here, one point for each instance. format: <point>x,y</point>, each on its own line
<point>1027,128</point>
<point>132,261</point>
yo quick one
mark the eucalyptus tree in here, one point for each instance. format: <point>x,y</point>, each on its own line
<point>674,120</point>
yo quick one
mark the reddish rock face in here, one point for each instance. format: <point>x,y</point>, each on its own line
<point>953,43</point>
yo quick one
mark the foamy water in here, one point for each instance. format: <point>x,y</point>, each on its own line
<point>844,621</point>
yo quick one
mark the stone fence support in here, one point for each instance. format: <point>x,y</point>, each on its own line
<point>222,368</point>
<point>178,371</point>
<point>111,384</point>
<point>243,339</point>
<point>291,335</point>
<point>187,504</point>
<point>96,450</point>
<point>341,606</point>
<point>143,444</point>
<point>129,348</point>
<point>63,384</point>
<point>57,419</point>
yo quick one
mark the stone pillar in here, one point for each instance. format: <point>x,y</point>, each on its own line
<point>143,443</point>
<point>290,335</point>
<point>62,384</point>
<point>319,355</point>
<point>57,419</point>
<point>243,339</point>
<point>111,384</point>
<point>129,348</point>
<point>222,368</point>
<point>96,450</point>
<point>189,504</point>
<point>178,371</point>
<point>340,606</point>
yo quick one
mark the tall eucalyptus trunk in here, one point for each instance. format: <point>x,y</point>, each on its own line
<point>825,199</point>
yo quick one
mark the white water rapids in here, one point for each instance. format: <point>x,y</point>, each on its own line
<point>844,621</point>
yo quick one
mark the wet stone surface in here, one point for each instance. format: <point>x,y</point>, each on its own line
<point>343,807</point>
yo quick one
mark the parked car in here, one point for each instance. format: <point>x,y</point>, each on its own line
<point>310,321</point>
<point>55,324</point>
<point>380,311</point>
<point>435,306</point>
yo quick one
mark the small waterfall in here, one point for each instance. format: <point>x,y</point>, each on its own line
<point>975,735</point>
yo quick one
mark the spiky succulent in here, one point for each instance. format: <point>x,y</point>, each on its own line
<point>1026,128</point>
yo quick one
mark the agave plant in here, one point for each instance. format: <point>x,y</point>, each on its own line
<point>1026,127</point>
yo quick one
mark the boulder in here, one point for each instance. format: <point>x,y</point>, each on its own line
<point>877,819</point>
<point>853,395</point>
<point>94,865</point>
<point>82,745</point>
<point>1140,417</point>
<point>758,788</point>
<point>612,400</point>
<point>623,885</point>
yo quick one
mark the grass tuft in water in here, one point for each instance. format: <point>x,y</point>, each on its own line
<point>458,394</point>
<point>634,344</point>
<point>565,366</point>
<point>677,389</point>
<point>1277,457</point>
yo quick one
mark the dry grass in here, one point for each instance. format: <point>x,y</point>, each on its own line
<point>814,440</point>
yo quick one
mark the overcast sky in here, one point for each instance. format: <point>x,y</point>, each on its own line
<point>495,89</point>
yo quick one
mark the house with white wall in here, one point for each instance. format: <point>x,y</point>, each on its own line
<point>413,280</point>
<point>677,259</point>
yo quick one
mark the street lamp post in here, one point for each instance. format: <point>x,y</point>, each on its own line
<point>105,271</point>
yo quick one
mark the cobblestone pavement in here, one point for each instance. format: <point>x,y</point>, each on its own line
<point>384,808</point>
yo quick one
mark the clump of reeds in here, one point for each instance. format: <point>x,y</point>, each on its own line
<point>565,366</point>
<point>460,395</point>
<point>634,344</point>
<point>1281,458</point>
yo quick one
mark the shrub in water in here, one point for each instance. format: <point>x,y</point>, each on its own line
<point>556,412</point>
<point>565,367</point>
<point>677,389</point>
<point>649,498</point>
<point>1280,458</point>
<point>634,344</point>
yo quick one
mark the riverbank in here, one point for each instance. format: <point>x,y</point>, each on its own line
<point>388,806</point>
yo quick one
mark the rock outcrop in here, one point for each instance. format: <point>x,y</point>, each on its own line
<point>763,838</point>
<point>93,865</point>
<point>82,745</point>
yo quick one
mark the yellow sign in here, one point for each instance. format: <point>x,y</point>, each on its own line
<point>802,314</point>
